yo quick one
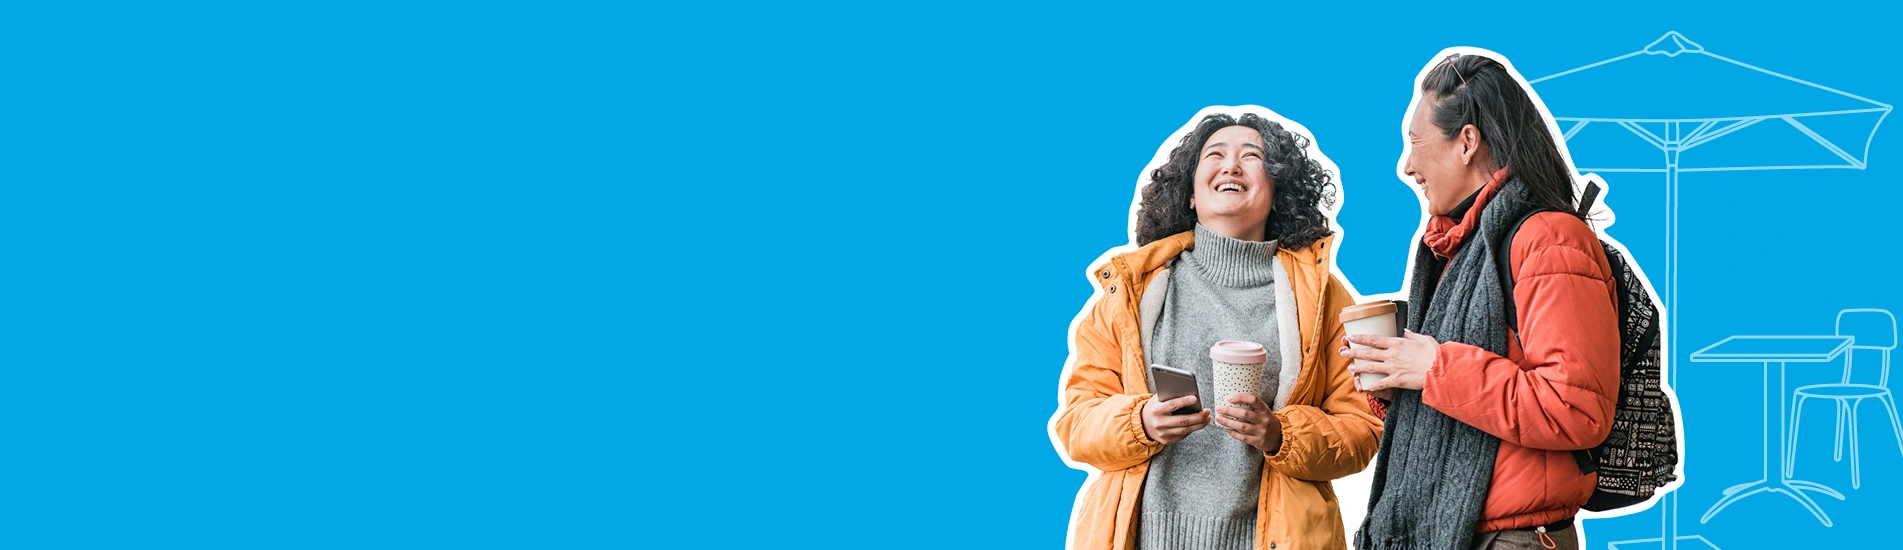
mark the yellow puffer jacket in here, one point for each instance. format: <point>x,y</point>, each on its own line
<point>1327,429</point>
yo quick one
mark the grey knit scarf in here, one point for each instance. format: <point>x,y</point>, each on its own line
<point>1432,476</point>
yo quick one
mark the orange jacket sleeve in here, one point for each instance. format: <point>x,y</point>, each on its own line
<point>1560,396</point>
<point>1099,423</point>
<point>1339,437</point>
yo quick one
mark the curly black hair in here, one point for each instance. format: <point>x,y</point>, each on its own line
<point>1302,186</point>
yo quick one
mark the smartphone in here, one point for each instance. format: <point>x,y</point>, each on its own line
<point>1172,383</point>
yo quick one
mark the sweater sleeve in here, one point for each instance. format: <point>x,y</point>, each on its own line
<point>1561,395</point>
<point>1098,423</point>
<point>1339,436</point>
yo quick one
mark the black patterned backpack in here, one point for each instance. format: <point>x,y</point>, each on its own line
<point>1641,453</point>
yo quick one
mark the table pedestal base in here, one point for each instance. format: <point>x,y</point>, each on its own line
<point>1699,543</point>
<point>1793,488</point>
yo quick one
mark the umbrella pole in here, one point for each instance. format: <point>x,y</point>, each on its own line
<point>1669,534</point>
<point>1668,510</point>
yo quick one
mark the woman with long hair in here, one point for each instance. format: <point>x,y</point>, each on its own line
<point>1482,420</point>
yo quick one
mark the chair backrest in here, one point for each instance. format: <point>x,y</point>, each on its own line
<point>1873,329</point>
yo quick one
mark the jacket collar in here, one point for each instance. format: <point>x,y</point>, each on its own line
<point>1157,254</point>
<point>1446,233</point>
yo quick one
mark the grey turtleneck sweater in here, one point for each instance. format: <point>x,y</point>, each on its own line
<point>1201,492</point>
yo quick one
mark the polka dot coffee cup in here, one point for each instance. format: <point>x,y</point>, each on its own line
<point>1238,366</point>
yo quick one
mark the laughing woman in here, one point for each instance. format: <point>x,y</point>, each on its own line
<point>1234,245</point>
<point>1483,420</point>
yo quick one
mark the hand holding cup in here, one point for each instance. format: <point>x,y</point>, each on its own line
<point>1248,420</point>
<point>1401,362</point>
<point>1381,319</point>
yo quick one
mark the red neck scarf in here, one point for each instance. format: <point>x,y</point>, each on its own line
<point>1444,234</point>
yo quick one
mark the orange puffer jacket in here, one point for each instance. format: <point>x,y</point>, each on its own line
<point>1328,430</point>
<point>1554,391</point>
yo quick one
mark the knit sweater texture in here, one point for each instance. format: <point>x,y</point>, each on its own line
<point>1202,492</point>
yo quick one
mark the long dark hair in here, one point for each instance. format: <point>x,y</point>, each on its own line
<point>1301,185</point>
<point>1477,90</point>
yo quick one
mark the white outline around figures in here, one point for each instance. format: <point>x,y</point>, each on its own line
<point>1679,135</point>
<point>1602,213</point>
<point>1348,486</point>
<point>1136,203</point>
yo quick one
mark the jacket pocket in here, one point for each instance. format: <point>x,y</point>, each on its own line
<point>1096,523</point>
<point>1307,513</point>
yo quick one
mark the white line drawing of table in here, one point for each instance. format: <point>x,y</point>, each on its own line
<point>1774,350</point>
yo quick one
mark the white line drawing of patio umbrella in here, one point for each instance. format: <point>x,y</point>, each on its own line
<point>1675,96</point>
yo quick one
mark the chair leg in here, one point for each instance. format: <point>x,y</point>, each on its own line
<point>1837,453</point>
<point>1896,428</point>
<point>1790,447</point>
<point>1856,473</point>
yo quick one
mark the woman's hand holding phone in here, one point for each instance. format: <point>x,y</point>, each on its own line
<point>1166,428</point>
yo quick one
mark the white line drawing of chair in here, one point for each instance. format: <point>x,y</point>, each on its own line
<point>1870,329</point>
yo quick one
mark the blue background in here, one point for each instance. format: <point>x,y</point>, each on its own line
<point>602,277</point>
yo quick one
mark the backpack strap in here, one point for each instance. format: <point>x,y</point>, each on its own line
<point>1586,199</point>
